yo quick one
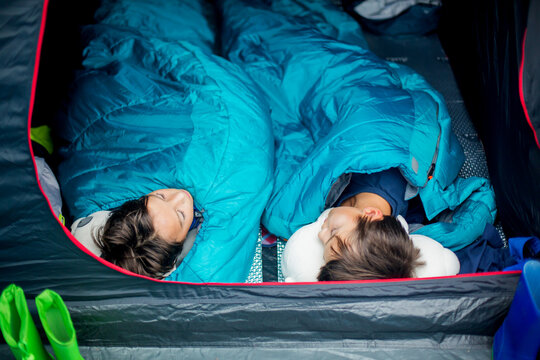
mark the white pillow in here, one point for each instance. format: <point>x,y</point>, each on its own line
<point>438,260</point>
<point>302,257</point>
<point>86,228</point>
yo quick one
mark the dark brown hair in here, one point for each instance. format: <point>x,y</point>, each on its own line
<point>374,250</point>
<point>128,239</point>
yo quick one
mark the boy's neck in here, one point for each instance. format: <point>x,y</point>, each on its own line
<point>366,199</point>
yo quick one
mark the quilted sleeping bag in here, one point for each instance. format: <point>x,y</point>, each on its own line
<point>154,108</point>
<point>336,108</point>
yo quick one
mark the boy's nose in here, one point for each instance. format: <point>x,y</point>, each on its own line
<point>178,198</point>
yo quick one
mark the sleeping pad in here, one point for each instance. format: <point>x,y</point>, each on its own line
<point>153,108</point>
<point>336,108</point>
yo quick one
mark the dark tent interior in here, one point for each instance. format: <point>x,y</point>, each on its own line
<point>474,57</point>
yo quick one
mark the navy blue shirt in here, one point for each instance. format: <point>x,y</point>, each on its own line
<point>388,184</point>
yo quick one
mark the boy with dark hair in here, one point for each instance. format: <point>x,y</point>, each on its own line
<point>362,237</point>
<point>372,249</point>
<point>146,235</point>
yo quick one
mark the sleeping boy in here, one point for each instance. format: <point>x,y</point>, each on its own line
<point>364,236</point>
<point>149,235</point>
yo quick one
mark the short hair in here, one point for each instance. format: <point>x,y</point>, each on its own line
<point>128,239</point>
<point>374,250</point>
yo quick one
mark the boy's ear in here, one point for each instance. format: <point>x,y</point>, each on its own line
<point>373,213</point>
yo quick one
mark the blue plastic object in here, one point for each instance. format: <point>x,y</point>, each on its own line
<point>519,336</point>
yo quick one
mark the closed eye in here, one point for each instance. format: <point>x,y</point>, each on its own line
<point>181,213</point>
<point>158,195</point>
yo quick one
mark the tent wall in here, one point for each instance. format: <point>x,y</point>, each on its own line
<point>25,219</point>
<point>483,40</point>
<point>60,55</point>
<point>35,250</point>
<point>383,320</point>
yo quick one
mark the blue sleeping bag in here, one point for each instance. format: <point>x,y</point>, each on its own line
<point>336,108</point>
<point>154,108</point>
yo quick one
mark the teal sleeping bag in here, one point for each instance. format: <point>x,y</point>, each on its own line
<point>336,108</point>
<point>154,108</point>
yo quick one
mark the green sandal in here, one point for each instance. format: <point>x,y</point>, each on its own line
<point>18,327</point>
<point>58,326</point>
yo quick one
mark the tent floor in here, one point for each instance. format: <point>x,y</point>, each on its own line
<point>268,352</point>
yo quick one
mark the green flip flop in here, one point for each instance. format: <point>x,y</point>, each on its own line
<point>18,326</point>
<point>58,326</point>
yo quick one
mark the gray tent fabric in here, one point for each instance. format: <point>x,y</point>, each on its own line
<point>530,68</point>
<point>451,318</point>
<point>488,77</point>
<point>49,184</point>
<point>117,315</point>
<point>386,9</point>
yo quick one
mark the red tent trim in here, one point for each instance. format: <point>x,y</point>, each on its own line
<point>521,95</point>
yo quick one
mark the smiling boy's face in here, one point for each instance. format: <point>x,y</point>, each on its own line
<point>171,211</point>
<point>340,223</point>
